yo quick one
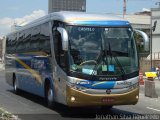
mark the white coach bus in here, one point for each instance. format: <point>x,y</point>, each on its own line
<point>76,59</point>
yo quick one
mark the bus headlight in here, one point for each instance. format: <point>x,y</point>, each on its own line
<point>73,99</point>
<point>137,97</point>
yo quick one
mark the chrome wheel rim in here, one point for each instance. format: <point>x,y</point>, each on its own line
<point>50,96</point>
<point>15,85</point>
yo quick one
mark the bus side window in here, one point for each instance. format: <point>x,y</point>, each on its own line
<point>44,43</point>
<point>20,44</point>
<point>8,44</point>
<point>35,39</point>
<point>26,40</point>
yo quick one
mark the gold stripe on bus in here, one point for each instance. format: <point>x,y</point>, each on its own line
<point>33,72</point>
<point>36,53</point>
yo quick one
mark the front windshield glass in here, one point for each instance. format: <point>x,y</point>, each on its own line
<point>102,51</point>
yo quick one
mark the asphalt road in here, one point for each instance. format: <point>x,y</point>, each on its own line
<point>31,107</point>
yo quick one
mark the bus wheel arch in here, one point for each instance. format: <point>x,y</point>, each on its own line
<point>49,93</point>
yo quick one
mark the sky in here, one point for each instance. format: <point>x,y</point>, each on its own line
<point>23,11</point>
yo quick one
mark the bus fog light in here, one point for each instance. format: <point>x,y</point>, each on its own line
<point>73,99</point>
<point>137,97</point>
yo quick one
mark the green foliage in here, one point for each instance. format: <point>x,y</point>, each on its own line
<point>4,115</point>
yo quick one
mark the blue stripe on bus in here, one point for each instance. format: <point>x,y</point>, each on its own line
<point>99,85</point>
<point>103,23</point>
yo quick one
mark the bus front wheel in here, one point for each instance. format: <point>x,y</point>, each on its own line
<point>49,96</point>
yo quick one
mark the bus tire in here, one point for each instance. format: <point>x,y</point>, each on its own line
<point>16,90</point>
<point>49,95</point>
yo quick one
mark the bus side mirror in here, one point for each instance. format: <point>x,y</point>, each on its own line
<point>64,38</point>
<point>145,39</point>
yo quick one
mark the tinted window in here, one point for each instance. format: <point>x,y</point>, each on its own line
<point>19,43</point>
<point>35,39</point>
<point>26,40</point>
<point>44,43</point>
<point>11,44</point>
<point>8,42</point>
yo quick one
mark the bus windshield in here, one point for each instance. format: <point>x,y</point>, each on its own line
<point>102,50</point>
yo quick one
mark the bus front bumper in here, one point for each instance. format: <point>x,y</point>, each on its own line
<point>77,98</point>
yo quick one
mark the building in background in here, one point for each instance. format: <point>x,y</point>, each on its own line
<point>141,22</point>
<point>153,59</point>
<point>66,5</point>
<point>155,16</point>
<point>1,49</point>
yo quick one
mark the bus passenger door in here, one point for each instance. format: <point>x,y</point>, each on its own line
<point>61,68</point>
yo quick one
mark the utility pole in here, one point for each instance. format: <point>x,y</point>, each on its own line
<point>124,8</point>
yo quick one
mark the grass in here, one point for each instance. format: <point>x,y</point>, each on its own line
<point>4,115</point>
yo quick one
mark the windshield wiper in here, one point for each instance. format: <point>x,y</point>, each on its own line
<point>99,59</point>
<point>117,61</point>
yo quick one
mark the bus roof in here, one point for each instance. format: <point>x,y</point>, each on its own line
<point>82,18</point>
<point>72,16</point>
<point>79,18</point>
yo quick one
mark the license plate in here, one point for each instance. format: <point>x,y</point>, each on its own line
<point>107,100</point>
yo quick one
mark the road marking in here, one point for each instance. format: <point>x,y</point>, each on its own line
<point>153,109</point>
